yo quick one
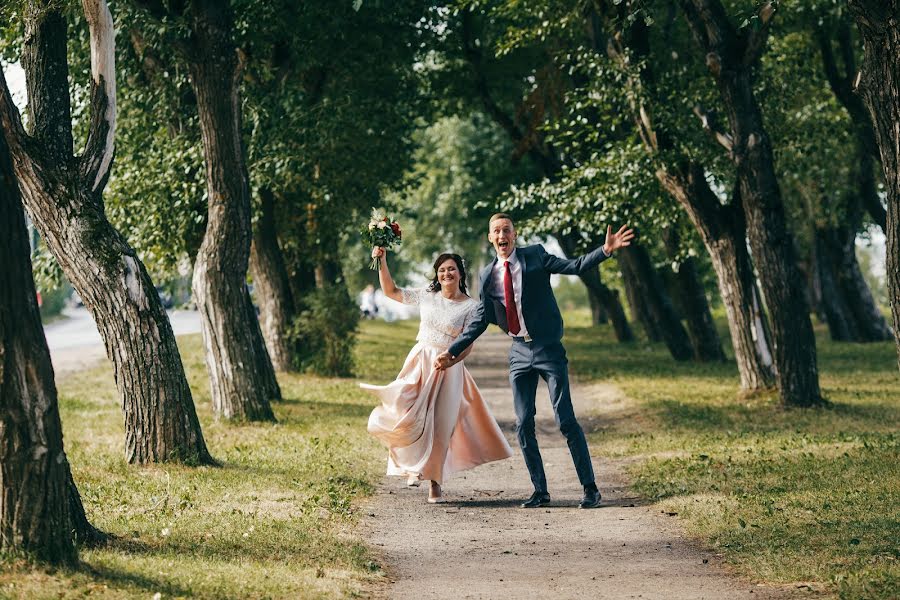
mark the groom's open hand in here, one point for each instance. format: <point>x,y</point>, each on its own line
<point>442,360</point>
<point>617,240</point>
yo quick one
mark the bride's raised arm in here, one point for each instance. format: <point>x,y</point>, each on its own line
<point>388,286</point>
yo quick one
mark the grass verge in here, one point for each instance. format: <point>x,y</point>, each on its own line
<point>789,496</point>
<point>274,521</point>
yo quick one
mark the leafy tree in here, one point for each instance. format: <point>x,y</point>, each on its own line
<point>461,165</point>
<point>64,195</point>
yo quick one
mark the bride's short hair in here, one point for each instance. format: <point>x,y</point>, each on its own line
<point>435,285</point>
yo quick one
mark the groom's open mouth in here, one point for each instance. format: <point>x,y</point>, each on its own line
<point>503,245</point>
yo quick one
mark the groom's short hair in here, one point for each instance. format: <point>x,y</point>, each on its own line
<point>497,216</point>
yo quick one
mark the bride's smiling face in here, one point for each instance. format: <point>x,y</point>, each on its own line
<point>448,275</point>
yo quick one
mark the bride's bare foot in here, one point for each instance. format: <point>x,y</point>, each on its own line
<point>434,493</point>
<point>412,480</point>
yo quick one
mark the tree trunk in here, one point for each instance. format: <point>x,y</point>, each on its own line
<point>879,25</point>
<point>272,288</point>
<point>606,298</point>
<point>831,300</point>
<point>722,229</point>
<point>850,310</point>
<point>598,313</point>
<point>64,197</point>
<point>649,288</point>
<point>841,83</point>
<point>242,380</point>
<point>688,292</point>
<point>637,303</point>
<point>35,511</point>
<point>730,58</point>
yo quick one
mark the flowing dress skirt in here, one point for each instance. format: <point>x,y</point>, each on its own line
<point>434,423</point>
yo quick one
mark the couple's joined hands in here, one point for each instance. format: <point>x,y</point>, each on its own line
<point>443,361</point>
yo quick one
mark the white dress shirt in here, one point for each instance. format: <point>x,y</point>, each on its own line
<point>515,268</point>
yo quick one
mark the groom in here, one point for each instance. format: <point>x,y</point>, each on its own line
<point>516,296</point>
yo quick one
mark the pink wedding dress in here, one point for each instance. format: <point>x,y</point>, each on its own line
<point>435,423</point>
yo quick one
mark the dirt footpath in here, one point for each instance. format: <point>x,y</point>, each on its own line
<point>482,545</point>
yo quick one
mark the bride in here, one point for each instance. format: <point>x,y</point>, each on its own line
<point>434,422</point>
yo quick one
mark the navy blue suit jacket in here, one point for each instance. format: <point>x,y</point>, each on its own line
<point>539,306</point>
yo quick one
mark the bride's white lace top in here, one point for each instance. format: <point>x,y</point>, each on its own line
<point>442,320</point>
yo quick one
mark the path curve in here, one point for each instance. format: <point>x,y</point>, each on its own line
<point>482,545</point>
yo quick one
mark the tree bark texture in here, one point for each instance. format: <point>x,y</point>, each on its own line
<point>722,229</point>
<point>689,295</point>
<point>730,58</point>
<point>272,287</point>
<point>35,513</point>
<point>64,197</point>
<point>879,25</point>
<point>649,289</point>
<point>840,80</point>
<point>242,379</point>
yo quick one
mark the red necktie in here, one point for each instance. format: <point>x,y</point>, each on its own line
<point>509,297</point>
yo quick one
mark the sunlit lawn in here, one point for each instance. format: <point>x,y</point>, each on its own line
<point>787,495</point>
<point>274,521</point>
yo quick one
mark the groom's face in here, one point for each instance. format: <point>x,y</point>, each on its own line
<point>502,234</point>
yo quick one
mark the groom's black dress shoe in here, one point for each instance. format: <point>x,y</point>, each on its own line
<point>537,499</point>
<point>591,498</point>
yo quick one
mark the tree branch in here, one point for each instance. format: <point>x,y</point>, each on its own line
<point>709,121</point>
<point>155,8</point>
<point>100,146</point>
<point>548,163</point>
<point>11,120</point>
<point>756,40</point>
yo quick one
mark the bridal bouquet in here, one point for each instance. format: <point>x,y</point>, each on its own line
<point>381,231</point>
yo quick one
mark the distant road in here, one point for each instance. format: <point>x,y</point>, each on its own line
<point>75,343</point>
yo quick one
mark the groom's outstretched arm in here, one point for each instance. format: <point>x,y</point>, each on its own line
<point>475,328</point>
<point>583,264</point>
<point>573,266</point>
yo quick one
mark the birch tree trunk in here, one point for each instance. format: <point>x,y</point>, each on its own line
<point>64,195</point>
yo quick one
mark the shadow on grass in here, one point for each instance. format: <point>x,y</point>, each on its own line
<point>292,410</point>
<point>269,543</point>
<point>116,578</point>
<point>766,417</point>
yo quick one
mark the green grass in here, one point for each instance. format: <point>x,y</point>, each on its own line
<point>787,495</point>
<point>276,520</point>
